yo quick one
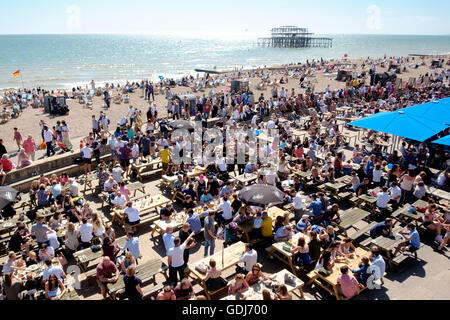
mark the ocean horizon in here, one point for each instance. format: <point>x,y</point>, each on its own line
<point>66,61</point>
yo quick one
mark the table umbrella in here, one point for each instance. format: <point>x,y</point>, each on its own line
<point>7,195</point>
<point>261,195</point>
<point>181,124</point>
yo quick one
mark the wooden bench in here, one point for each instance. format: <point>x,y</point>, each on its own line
<point>362,231</point>
<point>343,196</point>
<point>405,256</point>
<point>147,218</point>
<point>366,243</point>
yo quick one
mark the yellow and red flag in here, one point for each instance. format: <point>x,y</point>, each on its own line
<point>16,74</point>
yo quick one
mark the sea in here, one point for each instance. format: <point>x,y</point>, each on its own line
<point>66,61</point>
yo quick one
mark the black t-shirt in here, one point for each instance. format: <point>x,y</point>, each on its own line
<point>236,204</point>
<point>166,213</point>
<point>145,144</point>
<point>363,187</point>
<point>378,229</point>
<point>189,205</point>
<point>130,287</point>
<point>15,242</point>
<point>214,188</point>
<point>190,192</point>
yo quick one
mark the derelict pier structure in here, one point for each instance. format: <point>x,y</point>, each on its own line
<point>294,37</point>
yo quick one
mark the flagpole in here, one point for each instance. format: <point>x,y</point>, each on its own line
<point>23,87</point>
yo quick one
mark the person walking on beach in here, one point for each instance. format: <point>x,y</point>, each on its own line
<point>30,147</point>
<point>95,127</point>
<point>17,138</point>
<point>151,92</point>
<point>48,139</point>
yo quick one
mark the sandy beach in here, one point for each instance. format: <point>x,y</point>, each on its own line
<point>79,123</point>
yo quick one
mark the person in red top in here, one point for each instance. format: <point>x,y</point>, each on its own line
<point>106,273</point>
<point>6,163</point>
<point>17,137</point>
<point>30,147</point>
<point>207,109</point>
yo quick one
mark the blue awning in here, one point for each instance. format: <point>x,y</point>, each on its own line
<point>417,123</point>
<point>444,141</point>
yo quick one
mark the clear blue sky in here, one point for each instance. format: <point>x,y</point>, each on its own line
<point>226,17</point>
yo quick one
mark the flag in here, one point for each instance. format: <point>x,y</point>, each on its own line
<point>16,74</point>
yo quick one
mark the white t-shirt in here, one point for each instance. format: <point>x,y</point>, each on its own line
<point>119,201</point>
<point>249,258</point>
<point>109,185</point>
<point>383,200</point>
<point>271,178</point>
<point>168,239</point>
<point>87,152</point>
<point>73,188</point>
<point>177,255</point>
<point>48,135</point>
<point>56,270</point>
<point>376,176</point>
<point>86,232</point>
<point>271,124</point>
<point>50,251</point>
<point>226,209</point>
<point>298,201</point>
<point>132,213</point>
<point>53,238</point>
<point>396,192</point>
<point>117,174</point>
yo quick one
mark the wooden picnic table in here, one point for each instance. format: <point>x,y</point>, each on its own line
<point>144,204</point>
<point>135,187</point>
<point>246,178</point>
<point>175,222</point>
<point>439,193</point>
<point>254,292</point>
<point>225,259</point>
<point>387,244</point>
<point>274,212</point>
<point>144,272</point>
<point>330,282</point>
<point>286,256</point>
<point>11,224</point>
<point>88,180</point>
<point>304,176</point>
<point>350,218</point>
<point>368,199</point>
<point>415,217</point>
<point>85,256</point>
<point>141,167</point>
<point>335,187</point>
<point>70,295</point>
<point>25,200</point>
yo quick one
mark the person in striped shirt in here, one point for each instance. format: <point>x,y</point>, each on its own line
<point>303,224</point>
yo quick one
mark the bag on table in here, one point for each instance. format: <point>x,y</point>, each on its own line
<point>201,267</point>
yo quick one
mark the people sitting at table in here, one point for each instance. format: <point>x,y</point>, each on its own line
<point>362,274</point>
<point>133,290</point>
<point>85,233</point>
<point>167,212</point>
<point>10,264</point>
<point>106,273</point>
<point>119,201</point>
<point>206,198</point>
<point>12,287</point>
<point>383,228</point>
<point>53,266</point>
<point>238,284</point>
<point>110,186</point>
<point>19,240</point>
<point>131,215</point>
<point>109,249</point>
<point>184,290</point>
<point>188,203</point>
<point>347,284</point>
<point>315,206</point>
<point>331,215</point>
<point>213,279</point>
<point>249,257</point>
<point>43,196</point>
<point>363,188</point>
<point>166,294</point>
<point>412,240</point>
<point>283,234</point>
<point>73,215</point>
<point>303,224</point>
<point>383,199</point>
<point>301,253</point>
<point>347,247</point>
<point>325,263</point>
<point>87,211</point>
<point>432,221</point>
<point>266,226</point>
<point>46,252</point>
<point>255,275</point>
<point>283,293</point>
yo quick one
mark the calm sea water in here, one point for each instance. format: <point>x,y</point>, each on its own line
<point>60,61</point>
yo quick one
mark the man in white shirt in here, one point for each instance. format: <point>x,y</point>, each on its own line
<point>131,113</point>
<point>396,192</point>
<point>53,239</point>
<point>271,124</point>
<point>86,151</point>
<point>53,267</point>
<point>378,265</point>
<point>225,206</point>
<point>119,201</point>
<point>176,258</point>
<point>271,178</point>
<point>132,214</point>
<point>249,257</point>
<point>383,198</point>
<point>48,138</point>
<point>85,233</point>
<point>110,185</point>
<point>297,204</point>
<point>117,173</point>
<point>73,188</point>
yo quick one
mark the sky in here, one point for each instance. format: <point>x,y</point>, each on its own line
<point>225,18</point>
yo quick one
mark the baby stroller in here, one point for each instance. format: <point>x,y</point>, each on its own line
<point>232,234</point>
<point>63,146</point>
